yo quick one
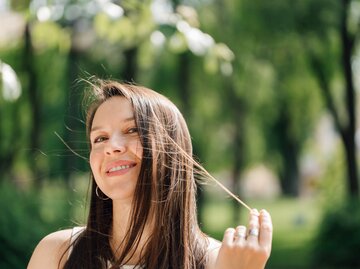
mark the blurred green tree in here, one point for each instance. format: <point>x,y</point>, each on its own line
<point>273,112</point>
<point>330,33</point>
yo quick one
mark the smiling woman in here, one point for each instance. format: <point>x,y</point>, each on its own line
<point>143,204</point>
<point>116,150</point>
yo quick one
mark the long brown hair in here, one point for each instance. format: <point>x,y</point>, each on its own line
<point>166,187</point>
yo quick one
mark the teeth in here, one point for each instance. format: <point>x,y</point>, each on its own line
<point>118,168</point>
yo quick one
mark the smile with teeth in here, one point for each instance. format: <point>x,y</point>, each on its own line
<point>120,167</point>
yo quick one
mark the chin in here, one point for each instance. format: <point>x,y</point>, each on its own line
<point>120,195</point>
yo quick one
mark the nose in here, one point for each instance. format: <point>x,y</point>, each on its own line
<point>115,145</point>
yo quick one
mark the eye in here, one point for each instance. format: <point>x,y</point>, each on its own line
<point>100,139</point>
<point>132,130</point>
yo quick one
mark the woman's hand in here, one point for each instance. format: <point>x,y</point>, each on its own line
<point>244,248</point>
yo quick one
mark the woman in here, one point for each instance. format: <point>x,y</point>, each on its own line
<point>143,207</point>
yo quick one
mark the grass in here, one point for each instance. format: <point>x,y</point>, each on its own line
<point>295,222</point>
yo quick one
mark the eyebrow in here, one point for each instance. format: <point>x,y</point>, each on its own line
<point>99,127</point>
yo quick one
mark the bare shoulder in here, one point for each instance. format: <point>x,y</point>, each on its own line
<point>50,250</point>
<point>212,252</point>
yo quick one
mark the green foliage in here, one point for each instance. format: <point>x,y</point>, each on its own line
<point>337,243</point>
<point>332,187</point>
<point>126,31</point>
<point>122,30</point>
<point>49,35</point>
<point>270,43</point>
<point>23,224</point>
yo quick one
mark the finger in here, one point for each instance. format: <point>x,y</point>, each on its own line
<point>266,229</point>
<point>240,235</point>
<point>228,237</point>
<point>253,231</point>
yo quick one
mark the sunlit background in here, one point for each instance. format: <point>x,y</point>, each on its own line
<point>269,90</point>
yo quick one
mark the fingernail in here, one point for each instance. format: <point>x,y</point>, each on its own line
<point>254,211</point>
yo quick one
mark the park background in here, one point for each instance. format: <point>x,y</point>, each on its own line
<point>269,90</point>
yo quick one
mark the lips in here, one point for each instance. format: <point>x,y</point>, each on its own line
<point>119,167</point>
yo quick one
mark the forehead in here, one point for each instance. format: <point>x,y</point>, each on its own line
<point>114,109</point>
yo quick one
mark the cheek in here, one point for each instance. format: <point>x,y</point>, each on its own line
<point>94,160</point>
<point>139,150</point>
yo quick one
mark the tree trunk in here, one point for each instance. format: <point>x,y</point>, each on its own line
<point>237,107</point>
<point>72,120</point>
<point>130,71</point>
<point>346,129</point>
<point>238,161</point>
<point>289,152</point>
<point>183,82</point>
<point>35,104</point>
<point>349,131</point>
<point>353,184</point>
<point>290,172</point>
<point>7,151</point>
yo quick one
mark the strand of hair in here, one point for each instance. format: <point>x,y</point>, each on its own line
<point>63,141</point>
<point>201,168</point>
<point>227,191</point>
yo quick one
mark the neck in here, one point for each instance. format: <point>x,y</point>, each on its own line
<point>120,227</point>
<point>121,219</point>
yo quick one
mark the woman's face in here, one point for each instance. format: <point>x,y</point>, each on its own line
<point>116,151</point>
